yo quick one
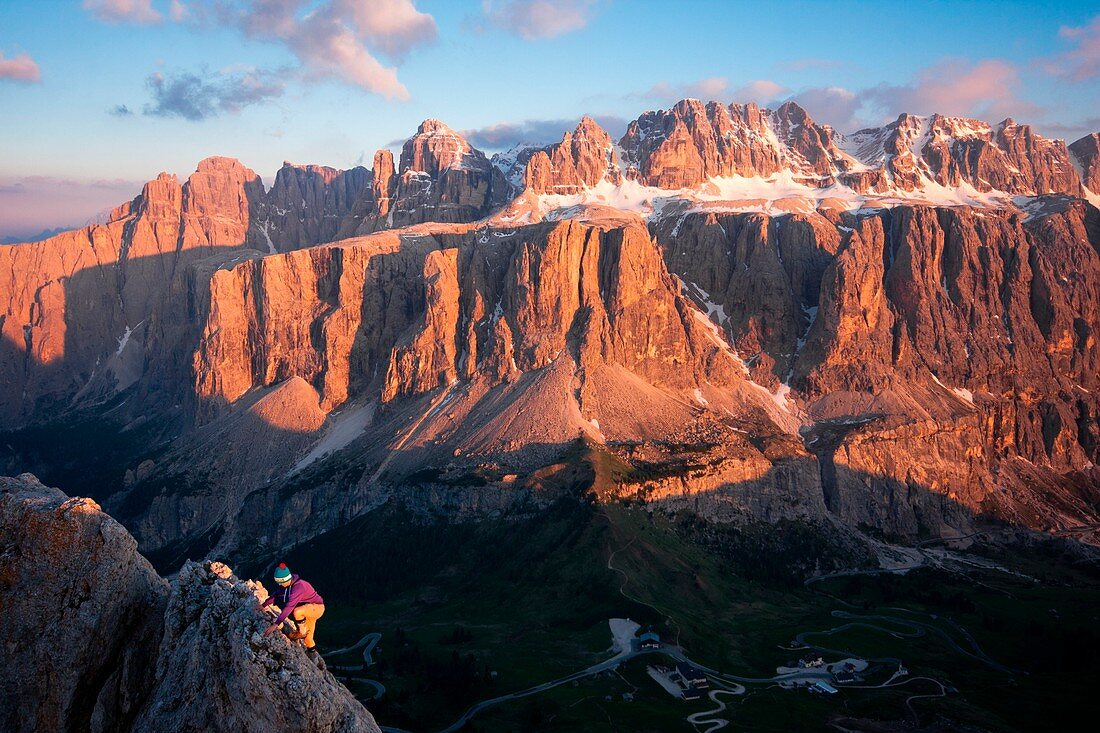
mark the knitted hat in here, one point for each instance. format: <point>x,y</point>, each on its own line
<point>282,573</point>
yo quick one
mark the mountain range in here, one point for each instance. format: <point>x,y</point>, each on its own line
<point>740,311</point>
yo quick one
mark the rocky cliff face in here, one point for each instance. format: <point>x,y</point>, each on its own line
<point>77,307</point>
<point>923,362</point>
<point>1086,152</point>
<point>950,151</point>
<point>307,205</point>
<point>82,613</point>
<point>686,145</point>
<point>440,177</point>
<point>452,304</point>
<point>101,643</point>
<point>582,159</point>
<point>943,334</point>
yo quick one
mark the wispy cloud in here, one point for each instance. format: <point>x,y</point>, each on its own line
<point>537,19</point>
<point>1082,61</point>
<point>714,87</point>
<point>21,68</point>
<point>120,110</point>
<point>193,97</point>
<point>956,87</point>
<point>761,91</point>
<point>834,106</point>
<point>1072,131</point>
<point>123,11</point>
<point>504,135</point>
<point>178,11</point>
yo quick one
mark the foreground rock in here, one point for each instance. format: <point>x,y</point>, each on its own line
<point>218,672</point>
<point>82,612</point>
<point>101,643</point>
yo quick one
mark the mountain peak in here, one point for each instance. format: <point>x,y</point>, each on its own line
<point>794,112</point>
<point>432,126</point>
<point>216,163</point>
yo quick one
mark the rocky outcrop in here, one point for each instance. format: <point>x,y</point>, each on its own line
<point>82,614</point>
<point>582,159</point>
<point>75,309</point>
<point>440,178</point>
<point>951,151</point>
<point>102,643</point>
<point>218,672</point>
<point>486,302</point>
<point>307,204</point>
<point>1086,152</point>
<point>686,145</point>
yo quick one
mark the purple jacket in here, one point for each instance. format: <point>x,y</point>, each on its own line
<point>298,593</point>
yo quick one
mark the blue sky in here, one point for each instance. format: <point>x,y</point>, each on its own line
<point>330,81</point>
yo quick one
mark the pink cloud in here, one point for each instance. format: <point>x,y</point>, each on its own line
<point>123,11</point>
<point>834,106</point>
<point>955,87</point>
<point>178,11</point>
<point>335,39</point>
<point>1083,61</point>
<point>760,91</point>
<point>393,26</point>
<point>714,87</point>
<point>21,68</point>
<point>536,19</point>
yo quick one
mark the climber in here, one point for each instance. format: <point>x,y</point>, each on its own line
<point>300,602</point>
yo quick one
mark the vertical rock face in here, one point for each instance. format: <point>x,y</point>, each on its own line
<point>759,277</point>
<point>488,302</point>
<point>82,614</point>
<point>1086,151</point>
<point>442,178</point>
<point>307,205</point>
<point>965,339</point>
<point>101,643</point>
<point>76,307</point>
<point>219,202</point>
<point>686,145</point>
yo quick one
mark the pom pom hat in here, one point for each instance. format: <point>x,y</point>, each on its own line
<point>282,573</point>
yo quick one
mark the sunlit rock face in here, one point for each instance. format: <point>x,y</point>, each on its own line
<point>900,322</point>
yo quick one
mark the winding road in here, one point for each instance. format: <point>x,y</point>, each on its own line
<point>367,644</point>
<point>707,716</point>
